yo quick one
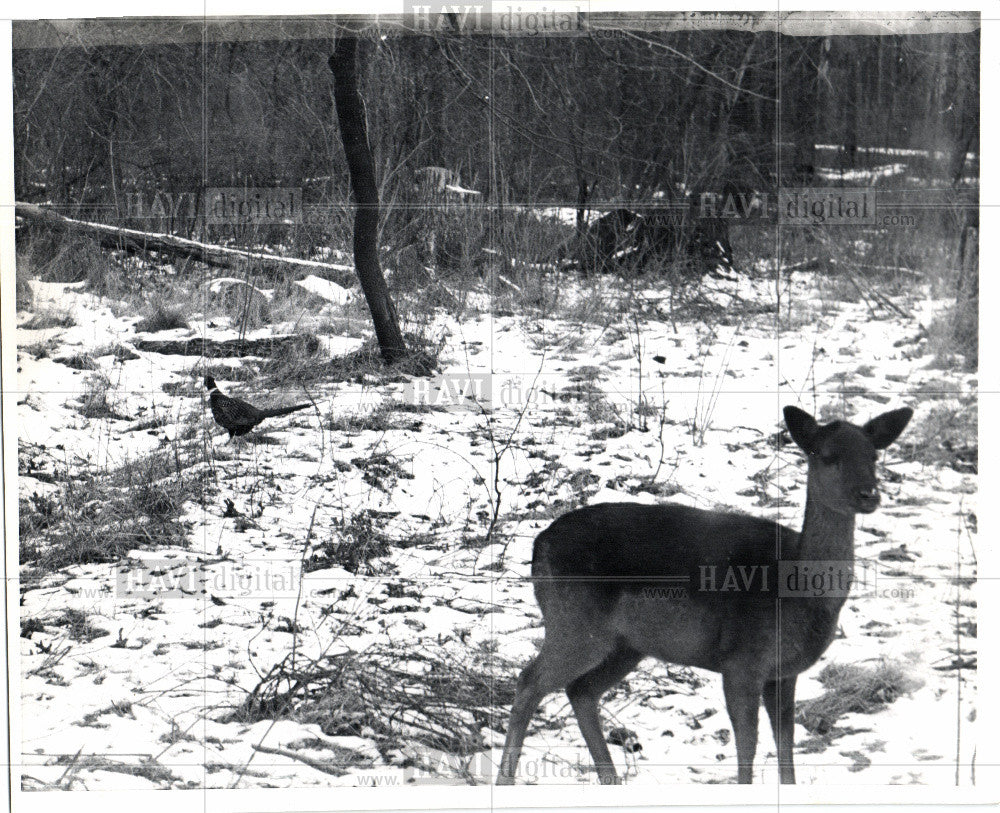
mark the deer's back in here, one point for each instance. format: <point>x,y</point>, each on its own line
<point>632,544</point>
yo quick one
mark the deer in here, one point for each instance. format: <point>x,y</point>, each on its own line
<point>599,575</point>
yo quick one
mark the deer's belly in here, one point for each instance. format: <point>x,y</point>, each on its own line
<point>720,636</point>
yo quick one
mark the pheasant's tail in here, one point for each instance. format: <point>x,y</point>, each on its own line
<point>277,412</point>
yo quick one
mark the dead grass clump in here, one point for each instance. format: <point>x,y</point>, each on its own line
<point>852,689</point>
<point>80,361</point>
<point>965,330</point>
<point>948,435</point>
<point>355,544</point>
<point>375,420</point>
<point>47,319</point>
<point>57,257</point>
<point>161,316</point>
<point>34,515</point>
<point>96,400</point>
<point>366,365</point>
<point>358,541</point>
<point>300,360</point>
<point>98,516</point>
<point>953,336</point>
<point>40,350</point>
<point>600,301</point>
<point>382,418</point>
<point>382,471</point>
<point>246,306</point>
<point>78,626</point>
<point>76,258</point>
<point>120,352</point>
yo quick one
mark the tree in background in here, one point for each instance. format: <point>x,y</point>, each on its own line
<point>354,134</point>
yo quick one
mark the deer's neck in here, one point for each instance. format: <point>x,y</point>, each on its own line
<point>826,535</point>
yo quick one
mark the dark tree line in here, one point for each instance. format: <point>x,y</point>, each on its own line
<point>565,119</point>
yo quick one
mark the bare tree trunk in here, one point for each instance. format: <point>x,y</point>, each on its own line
<point>361,165</point>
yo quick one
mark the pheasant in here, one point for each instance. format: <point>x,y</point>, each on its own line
<point>238,417</point>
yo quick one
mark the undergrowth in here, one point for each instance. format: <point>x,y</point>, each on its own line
<point>428,696</point>
<point>100,515</point>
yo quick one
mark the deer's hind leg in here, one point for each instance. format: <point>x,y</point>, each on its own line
<point>561,661</point>
<point>584,694</point>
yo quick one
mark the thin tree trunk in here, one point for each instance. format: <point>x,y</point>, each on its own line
<point>361,165</point>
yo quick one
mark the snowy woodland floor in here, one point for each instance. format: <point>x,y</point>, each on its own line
<point>389,504</point>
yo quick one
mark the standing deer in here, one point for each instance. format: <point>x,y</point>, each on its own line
<point>597,572</point>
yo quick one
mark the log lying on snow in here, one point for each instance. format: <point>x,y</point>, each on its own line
<point>135,241</point>
<point>228,348</point>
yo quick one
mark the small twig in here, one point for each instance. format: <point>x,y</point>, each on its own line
<point>312,763</point>
<point>73,766</point>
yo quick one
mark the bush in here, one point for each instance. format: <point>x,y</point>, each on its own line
<point>852,689</point>
<point>161,316</point>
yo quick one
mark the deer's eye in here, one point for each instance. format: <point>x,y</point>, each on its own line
<point>828,459</point>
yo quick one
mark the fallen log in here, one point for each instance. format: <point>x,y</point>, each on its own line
<point>229,348</point>
<point>139,242</point>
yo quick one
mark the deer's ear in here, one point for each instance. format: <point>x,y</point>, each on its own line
<point>802,427</point>
<point>888,426</point>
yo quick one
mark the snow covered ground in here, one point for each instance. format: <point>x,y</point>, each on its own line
<point>566,411</point>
